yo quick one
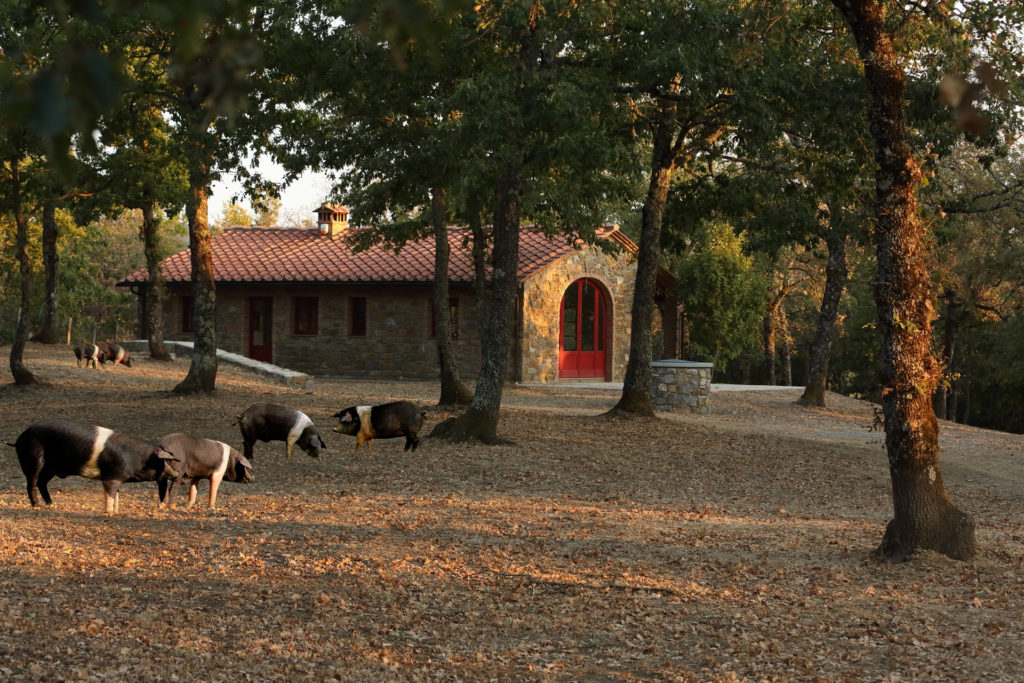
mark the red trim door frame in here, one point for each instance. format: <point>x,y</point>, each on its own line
<point>261,328</point>
<point>582,331</point>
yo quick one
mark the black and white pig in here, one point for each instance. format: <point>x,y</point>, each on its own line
<point>115,353</point>
<point>271,422</point>
<point>388,420</point>
<point>197,458</point>
<point>90,354</point>
<point>62,448</point>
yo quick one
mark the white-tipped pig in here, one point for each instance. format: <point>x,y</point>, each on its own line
<point>197,458</point>
<point>271,422</point>
<point>62,448</point>
<point>385,421</point>
<point>115,353</point>
<point>90,354</point>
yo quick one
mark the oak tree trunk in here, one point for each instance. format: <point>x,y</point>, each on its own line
<point>480,421</point>
<point>49,332</point>
<point>924,517</point>
<point>636,385</point>
<point>835,283</point>
<point>154,287</point>
<point>21,374</point>
<point>202,372</point>
<point>453,391</point>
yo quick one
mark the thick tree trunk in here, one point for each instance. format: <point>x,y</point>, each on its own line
<point>202,372</point>
<point>924,517</point>
<point>50,332</point>
<point>636,386</point>
<point>480,421</point>
<point>21,374</point>
<point>835,283</point>
<point>453,391</point>
<point>154,288</point>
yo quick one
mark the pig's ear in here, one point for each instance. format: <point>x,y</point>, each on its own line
<point>347,417</point>
<point>164,455</point>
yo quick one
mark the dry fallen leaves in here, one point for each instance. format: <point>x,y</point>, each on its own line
<point>729,547</point>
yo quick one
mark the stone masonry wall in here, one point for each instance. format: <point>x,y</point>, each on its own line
<point>542,295</point>
<point>681,386</point>
<point>397,344</point>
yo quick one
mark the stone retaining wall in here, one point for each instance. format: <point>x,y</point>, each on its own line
<point>681,386</point>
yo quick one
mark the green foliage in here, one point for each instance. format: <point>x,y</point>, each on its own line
<point>722,293</point>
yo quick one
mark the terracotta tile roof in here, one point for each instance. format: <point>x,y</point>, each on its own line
<point>303,255</point>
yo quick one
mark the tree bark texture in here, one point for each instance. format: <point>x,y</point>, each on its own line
<point>787,347</point>
<point>480,421</point>
<point>49,333</point>
<point>636,385</point>
<point>951,328</point>
<point>481,286</point>
<point>453,391</point>
<point>821,349</point>
<point>202,372</point>
<point>21,374</point>
<point>154,288</point>
<point>924,517</point>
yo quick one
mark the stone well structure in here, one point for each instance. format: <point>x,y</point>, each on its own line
<point>681,386</point>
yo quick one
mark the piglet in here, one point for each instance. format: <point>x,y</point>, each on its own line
<point>197,458</point>
<point>90,354</point>
<point>61,448</point>
<point>271,422</point>
<point>385,421</point>
<point>115,353</point>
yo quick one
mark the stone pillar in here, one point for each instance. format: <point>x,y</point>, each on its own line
<point>681,386</point>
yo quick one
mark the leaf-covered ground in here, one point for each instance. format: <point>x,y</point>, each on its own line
<point>734,546</point>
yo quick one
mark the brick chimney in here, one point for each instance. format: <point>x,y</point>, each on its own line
<point>331,219</point>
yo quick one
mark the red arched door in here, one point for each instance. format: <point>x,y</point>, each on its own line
<point>581,345</point>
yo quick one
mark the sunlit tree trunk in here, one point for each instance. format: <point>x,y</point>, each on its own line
<point>202,372</point>
<point>924,517</point>
<point>154,287</point>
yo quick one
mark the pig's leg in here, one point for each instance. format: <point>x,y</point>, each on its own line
<point>215,479</point>
<point>110,495</point>
<point>193,491</point>
<point>45,475</point>
<point>289,443</point>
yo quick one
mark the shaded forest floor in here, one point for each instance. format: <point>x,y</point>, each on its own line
<point>734,546</point>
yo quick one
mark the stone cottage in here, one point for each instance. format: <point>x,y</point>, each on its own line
<point>305,300</point>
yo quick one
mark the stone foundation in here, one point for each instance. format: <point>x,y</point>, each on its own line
<point>681,386</point>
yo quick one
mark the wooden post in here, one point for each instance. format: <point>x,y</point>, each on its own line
<point>69,331</point>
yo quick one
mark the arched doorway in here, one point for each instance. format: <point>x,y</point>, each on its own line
<point>583,330</point>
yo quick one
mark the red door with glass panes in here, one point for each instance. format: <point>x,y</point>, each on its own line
<point>581,349</point>
<point>261,319</point>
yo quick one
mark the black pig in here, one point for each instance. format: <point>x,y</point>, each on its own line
<point>400,418</point>
<point>63,448</point>
<point>115,353</point>
<point>90,353</point>
<point>271,422</point>
<point>197,458</point>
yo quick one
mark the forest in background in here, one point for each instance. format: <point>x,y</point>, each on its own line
<point>752,215</point>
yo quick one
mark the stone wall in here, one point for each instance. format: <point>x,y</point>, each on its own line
<point>681,386</point>
<point>542,298</point>
<point>397,344</point>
